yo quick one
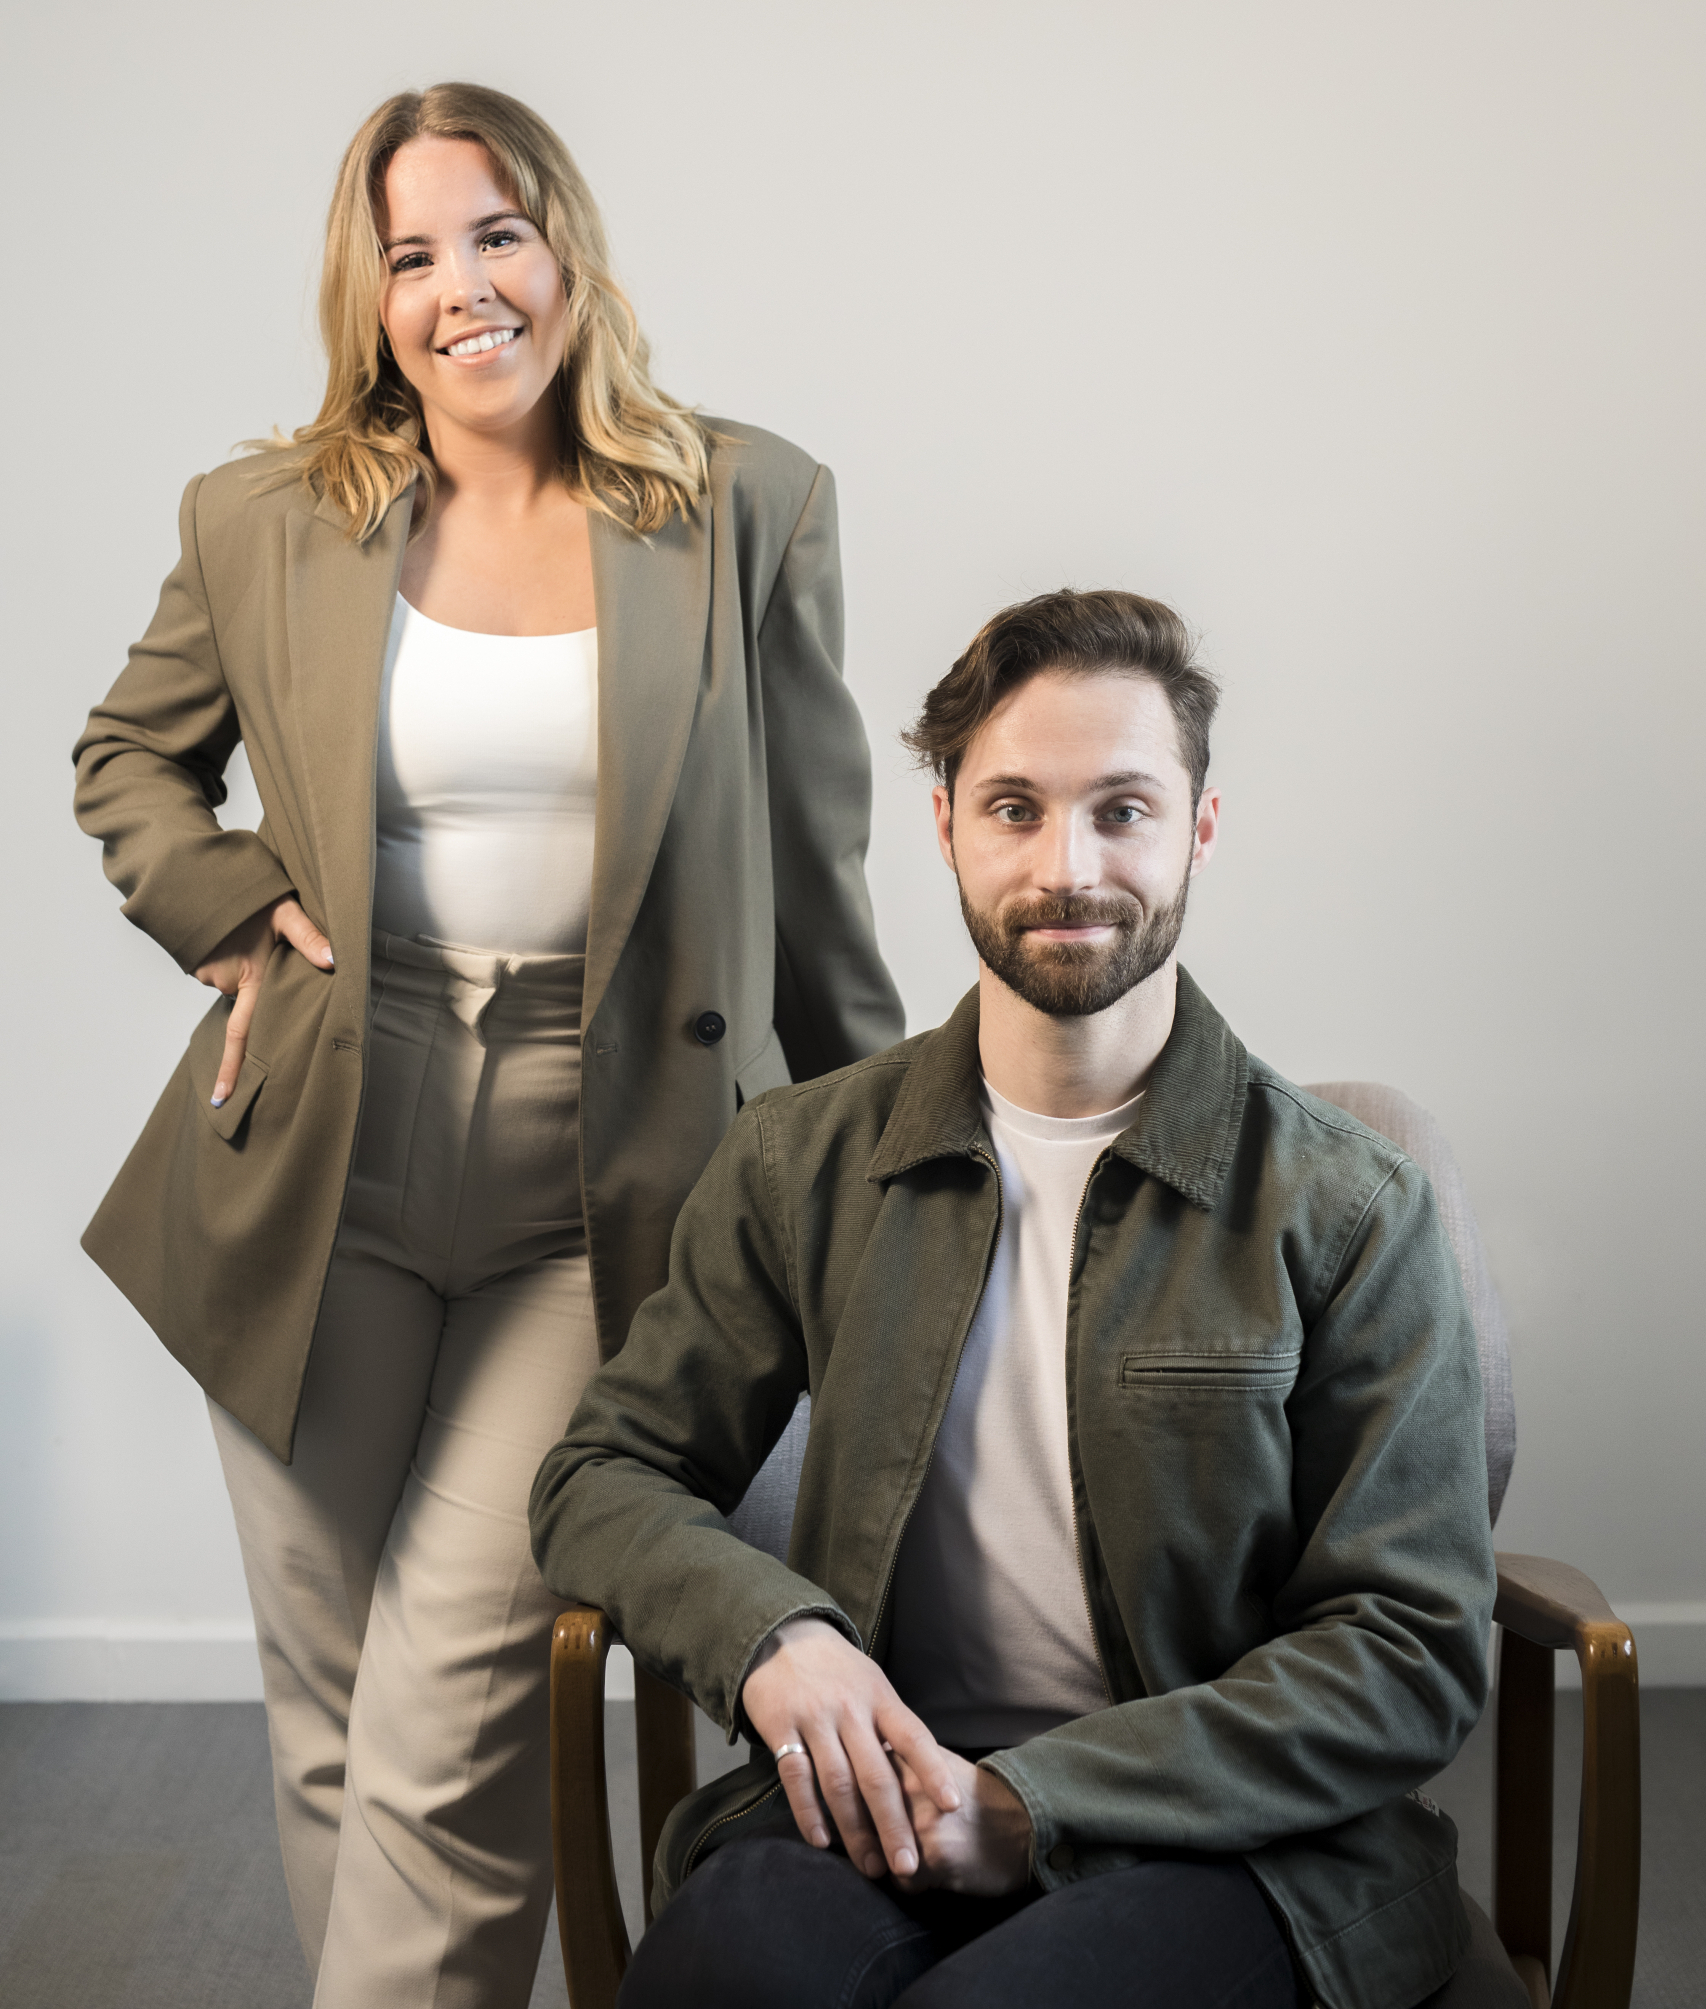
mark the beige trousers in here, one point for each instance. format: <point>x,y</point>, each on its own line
<point>404,1631</point>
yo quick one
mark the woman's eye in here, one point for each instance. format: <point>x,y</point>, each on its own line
<point>499,238</point>
<point>411,261</point>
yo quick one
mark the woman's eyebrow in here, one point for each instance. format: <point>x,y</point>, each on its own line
<point>479,223</point>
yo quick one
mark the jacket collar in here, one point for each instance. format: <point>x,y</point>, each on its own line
<point>1187,1123</point>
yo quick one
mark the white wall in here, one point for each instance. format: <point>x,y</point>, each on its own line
<point>1370,337</point>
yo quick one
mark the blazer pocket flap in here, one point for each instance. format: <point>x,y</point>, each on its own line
<point>1224,1373</point>
<point>768,1068</point>
<point>235,1107</point>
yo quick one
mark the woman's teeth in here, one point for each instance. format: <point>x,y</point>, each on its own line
<point>474,344</point>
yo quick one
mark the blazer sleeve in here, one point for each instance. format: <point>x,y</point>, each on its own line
<point>148,777</point>
<point>835,1000</point>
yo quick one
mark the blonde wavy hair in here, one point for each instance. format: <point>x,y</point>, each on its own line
<point>627,448</point>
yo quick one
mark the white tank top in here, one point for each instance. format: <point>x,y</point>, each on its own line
<point>487,784</point>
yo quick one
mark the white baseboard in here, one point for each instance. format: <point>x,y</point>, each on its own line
<point>121,1660</point>
<point>118,1660</point>
<point>214,1660</point>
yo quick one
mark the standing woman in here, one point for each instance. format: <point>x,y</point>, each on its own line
<point>566,807</point>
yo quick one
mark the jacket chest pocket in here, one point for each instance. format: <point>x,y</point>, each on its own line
<point>1211,1373</point>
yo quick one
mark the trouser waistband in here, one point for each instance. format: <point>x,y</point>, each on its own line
<point>488,990</point>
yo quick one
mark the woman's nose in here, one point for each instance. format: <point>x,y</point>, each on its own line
<point>466,282</point>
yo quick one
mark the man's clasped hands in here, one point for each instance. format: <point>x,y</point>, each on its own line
<point>900,1802</point>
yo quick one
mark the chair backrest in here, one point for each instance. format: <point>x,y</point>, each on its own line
<point>1416,1134</point>
<point>766,1516</point>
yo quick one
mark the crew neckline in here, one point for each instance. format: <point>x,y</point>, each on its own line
<point>1058,1129</point>
<point>483,635</point>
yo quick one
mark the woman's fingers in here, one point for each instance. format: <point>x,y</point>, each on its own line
<point>294,926</point>
<point>237,1034</point>
<point>239,965</point>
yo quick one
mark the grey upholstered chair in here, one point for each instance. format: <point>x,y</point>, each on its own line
<point>1542,1607</point>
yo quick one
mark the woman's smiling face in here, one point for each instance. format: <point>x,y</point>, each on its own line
<point>474,305</point>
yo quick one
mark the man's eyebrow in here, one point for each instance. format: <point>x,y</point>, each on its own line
<point>479,223</point>
<point>1127,778</point>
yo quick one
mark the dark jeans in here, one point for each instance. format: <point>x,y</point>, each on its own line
<point>773,1924</point>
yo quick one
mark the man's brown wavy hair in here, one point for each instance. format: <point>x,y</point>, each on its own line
<point>1079,633</point>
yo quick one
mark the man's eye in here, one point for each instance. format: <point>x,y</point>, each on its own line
<point>1013,812</point>
<point>1122,812</point>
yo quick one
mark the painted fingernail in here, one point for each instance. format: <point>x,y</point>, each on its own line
<point>219,1094</point>
<point>328,958</point>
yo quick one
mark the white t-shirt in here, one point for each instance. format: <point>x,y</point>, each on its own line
<point>991,1641</point>
<point>487,785</point>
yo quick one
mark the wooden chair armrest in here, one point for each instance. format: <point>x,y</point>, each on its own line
<point>1543,1606</point>
<point>663,1746</point>
<point>590,1925</point>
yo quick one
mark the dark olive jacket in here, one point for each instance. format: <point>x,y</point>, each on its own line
<point>1274,1411</point>
<point>728,878</point>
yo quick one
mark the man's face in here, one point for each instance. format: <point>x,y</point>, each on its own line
<point>1074,839</point>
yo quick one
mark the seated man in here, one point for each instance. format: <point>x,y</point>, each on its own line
<point>1141,1568</point>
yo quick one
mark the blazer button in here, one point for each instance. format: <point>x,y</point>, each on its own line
<point>1060,1856</point>
<point>709,1027</point>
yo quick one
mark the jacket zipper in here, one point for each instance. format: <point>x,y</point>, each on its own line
<point>734,1814</point>
<point>977,1151</point>
<point>1077,1545</point>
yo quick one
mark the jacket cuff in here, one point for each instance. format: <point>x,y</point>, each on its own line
<point>249,878</point>
<point>1054,1860</point>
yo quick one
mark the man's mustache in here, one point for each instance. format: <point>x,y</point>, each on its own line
<point>1071,910</point>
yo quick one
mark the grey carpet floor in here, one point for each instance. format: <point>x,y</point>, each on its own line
<point>139,1867</point>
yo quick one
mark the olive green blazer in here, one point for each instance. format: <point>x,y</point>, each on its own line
<point>728,878</point>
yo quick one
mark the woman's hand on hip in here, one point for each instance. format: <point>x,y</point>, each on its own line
<point>238,967</point>
<point>813,1688</point>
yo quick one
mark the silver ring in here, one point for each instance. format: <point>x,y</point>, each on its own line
<point>790,1751</point>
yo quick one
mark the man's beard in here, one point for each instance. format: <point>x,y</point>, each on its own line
<point>1075,979</point>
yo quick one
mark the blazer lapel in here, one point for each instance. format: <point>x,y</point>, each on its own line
<point>338,601</point>
<point>654,602</point>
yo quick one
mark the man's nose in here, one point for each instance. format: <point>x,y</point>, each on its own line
<point>1066,858</point>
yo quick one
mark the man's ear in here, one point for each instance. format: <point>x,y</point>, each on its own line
<point>1207,832</point>
<point>942,803</point>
